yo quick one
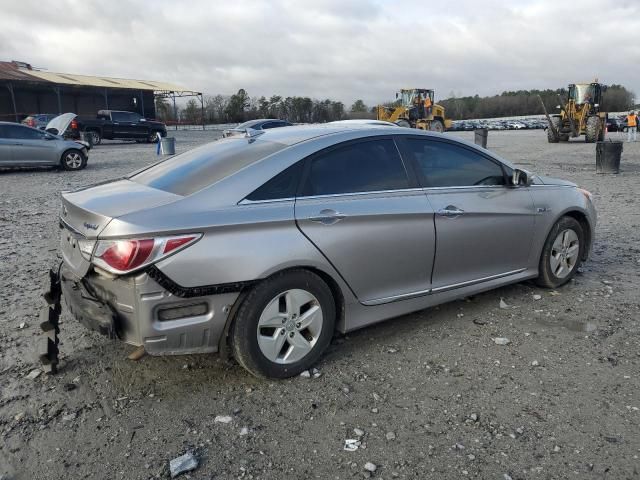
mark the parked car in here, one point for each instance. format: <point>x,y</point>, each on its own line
<point>614,125</point>
<point>260,124</point>
<point>22,146</point>
<point>266,245</point>
<point>117,125</point>
<point>39,120</point>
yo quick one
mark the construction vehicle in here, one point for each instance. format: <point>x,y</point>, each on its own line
<point>579,115</point>
<point>415,109</point>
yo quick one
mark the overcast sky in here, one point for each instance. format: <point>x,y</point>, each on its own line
<point>338,49</point>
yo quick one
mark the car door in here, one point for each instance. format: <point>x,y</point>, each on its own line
<point>122,125</point>
<point>6,146</point>
<point>362,210</point>
<point>483,225</point>
<point>31,147</point>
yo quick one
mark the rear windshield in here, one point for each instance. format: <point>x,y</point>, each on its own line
<point>198,168</point>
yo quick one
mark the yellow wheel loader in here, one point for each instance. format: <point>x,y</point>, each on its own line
<point>415,109</point>
<point>579,115</point>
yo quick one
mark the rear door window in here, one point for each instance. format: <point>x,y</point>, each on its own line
<point>367,166</point>
<point>23,133</point>
<point>443,164</point>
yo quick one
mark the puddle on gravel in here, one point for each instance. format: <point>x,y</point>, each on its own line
<point>572,325</point>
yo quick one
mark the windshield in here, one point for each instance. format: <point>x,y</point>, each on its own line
<point>583,93</point>
<point>196,169</point>
<point>410,97</point>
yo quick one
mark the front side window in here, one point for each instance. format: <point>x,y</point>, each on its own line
<point>443,164</point>
<point>367,166</point>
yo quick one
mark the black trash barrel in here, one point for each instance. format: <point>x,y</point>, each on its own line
<point>481,135</point>
<point>608,157</point>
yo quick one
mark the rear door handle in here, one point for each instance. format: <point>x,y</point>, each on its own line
<point>327,217</point>
<point>450,212</point>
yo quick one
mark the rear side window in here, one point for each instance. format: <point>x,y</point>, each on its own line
<point>198,168</point>
<point>366,166</point>
<point>443,164</point>
<point>283,185</point>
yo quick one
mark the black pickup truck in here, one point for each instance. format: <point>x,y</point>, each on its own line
<point>113,124</point>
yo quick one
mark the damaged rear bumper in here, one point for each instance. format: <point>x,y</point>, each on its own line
<point>139,311</point>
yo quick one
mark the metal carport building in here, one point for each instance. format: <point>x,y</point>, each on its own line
<point>25,90</point>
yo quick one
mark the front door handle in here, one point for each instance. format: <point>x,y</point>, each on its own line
<point>327,217</point>
<point>450,211</point>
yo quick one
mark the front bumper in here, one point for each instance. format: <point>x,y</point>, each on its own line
<point>130,308</point>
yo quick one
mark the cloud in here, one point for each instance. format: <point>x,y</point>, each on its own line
<point>332,49</point>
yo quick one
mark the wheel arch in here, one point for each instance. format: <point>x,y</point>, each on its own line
<point>334,286</point>
<point>583,220</point>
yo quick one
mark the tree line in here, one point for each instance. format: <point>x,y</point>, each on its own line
<point>241,107</point>
<point>615,98</point>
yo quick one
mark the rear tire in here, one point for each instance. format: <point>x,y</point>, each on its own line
<point>437,126</point>
<point>96,138</point>
<point>562,253</point>
<point>73,160</point>
<point>592,130</point>
<point>551,137</point>
<point>268,337</point>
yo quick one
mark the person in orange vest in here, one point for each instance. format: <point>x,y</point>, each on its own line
<point>427,106</point>
<point>632,126</point>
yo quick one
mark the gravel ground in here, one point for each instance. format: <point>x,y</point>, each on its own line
<point>427,395</point>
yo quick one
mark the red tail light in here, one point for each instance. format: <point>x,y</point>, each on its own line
<point>31,122</point>
<point>124,256</point>
<point>74,124</point>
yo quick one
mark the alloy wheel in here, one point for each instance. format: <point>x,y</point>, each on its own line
<point>289,326</point>
<point>73,160</point>
<point>564,253</point>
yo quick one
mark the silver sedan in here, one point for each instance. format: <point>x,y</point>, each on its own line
<point>265,245</point>
<point>22,146</point>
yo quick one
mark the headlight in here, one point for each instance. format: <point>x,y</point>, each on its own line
<point>586,193</point>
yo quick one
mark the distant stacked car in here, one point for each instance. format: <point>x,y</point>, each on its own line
<point>520,124</point>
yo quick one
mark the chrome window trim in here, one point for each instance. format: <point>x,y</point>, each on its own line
<point>333,195</point>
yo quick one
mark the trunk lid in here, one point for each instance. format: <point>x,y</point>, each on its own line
<point>86,212</point>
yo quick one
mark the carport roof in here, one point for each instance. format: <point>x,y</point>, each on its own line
<point>23,72</point>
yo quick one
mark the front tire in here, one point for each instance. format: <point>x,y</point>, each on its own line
<point>551,137</point>
<point>592,131</point>
<point>152,137</point>
<point>437,126</point>
<point>283,325</point>
<point>73,160</point>
<point>562,253</point>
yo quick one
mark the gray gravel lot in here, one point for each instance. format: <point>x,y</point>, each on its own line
<point>431,394</point>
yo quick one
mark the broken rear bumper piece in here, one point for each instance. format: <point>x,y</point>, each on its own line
<point>145,311</point>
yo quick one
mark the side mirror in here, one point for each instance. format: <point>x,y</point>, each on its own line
<point>521,178</point>
<point>48,136</point>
